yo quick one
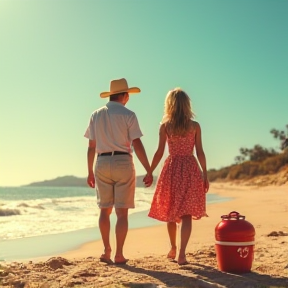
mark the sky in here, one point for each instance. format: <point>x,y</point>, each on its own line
<point>56,57</point>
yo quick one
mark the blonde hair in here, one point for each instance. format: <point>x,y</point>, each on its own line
<point>178,112</point>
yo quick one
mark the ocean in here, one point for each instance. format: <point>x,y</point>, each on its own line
<point>59,219</point>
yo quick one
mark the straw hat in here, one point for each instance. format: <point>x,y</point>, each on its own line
<point>119,86</point>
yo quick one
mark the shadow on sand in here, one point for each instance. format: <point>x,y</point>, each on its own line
<point>202,276</point>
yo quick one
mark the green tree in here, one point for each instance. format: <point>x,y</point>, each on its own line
<point>281,135</point>
<point>259,153</point>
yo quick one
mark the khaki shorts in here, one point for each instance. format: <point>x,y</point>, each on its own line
<point>115,181</point>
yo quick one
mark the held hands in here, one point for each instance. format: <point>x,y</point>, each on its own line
<point>91,180</point>
<point>148,180</point>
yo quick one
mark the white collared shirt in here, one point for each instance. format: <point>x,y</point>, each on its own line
<point>114,127</point>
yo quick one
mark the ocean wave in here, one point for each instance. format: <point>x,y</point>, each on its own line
<point>25,205</point>
<point>9,212</point>
<point>73,199</point>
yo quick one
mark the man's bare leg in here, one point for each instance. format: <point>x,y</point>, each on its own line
<point>104,226</point>
<point>121,230</point>
<point>172,231</point>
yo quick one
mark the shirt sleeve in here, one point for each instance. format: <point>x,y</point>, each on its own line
<point>90,131</point>
<point>133,128</point>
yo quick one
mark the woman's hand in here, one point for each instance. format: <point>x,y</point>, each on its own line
<point>206,184</point>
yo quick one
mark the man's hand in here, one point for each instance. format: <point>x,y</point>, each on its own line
<point>148,180</point>
<point>91,180</point>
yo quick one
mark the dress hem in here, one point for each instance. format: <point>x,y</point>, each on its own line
<point>179,219</point>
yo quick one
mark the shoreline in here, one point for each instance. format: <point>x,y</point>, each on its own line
<point>29,248</point>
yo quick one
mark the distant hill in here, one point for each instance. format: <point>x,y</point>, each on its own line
<point>65,181</point>
<point>72,181</point>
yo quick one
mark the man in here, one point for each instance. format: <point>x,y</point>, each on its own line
<point>112,132</point>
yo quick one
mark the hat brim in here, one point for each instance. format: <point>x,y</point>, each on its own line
<point>129,90</point>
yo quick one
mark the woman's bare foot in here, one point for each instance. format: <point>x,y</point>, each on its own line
<point>172,253</point>
<point>106,256</point>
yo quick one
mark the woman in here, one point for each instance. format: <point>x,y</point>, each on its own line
<point>181,188</point>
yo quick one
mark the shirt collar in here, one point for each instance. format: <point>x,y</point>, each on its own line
<point>113,103</point>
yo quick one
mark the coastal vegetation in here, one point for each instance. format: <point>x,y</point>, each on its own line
<point>257,162</point>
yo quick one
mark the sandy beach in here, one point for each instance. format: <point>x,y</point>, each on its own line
<point>266,208</point>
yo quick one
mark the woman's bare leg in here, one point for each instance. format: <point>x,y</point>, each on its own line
<point>186,229</point>
<point>172,231</point>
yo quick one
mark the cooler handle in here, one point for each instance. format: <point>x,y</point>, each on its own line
<point>233,215</point>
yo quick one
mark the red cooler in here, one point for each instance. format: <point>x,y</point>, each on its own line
<point>234,243</point>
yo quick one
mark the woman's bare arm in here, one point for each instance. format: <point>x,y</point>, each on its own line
<point>161,146</point>
<point>201,155</point>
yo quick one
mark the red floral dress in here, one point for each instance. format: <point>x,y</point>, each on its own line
<point>180,187</point>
